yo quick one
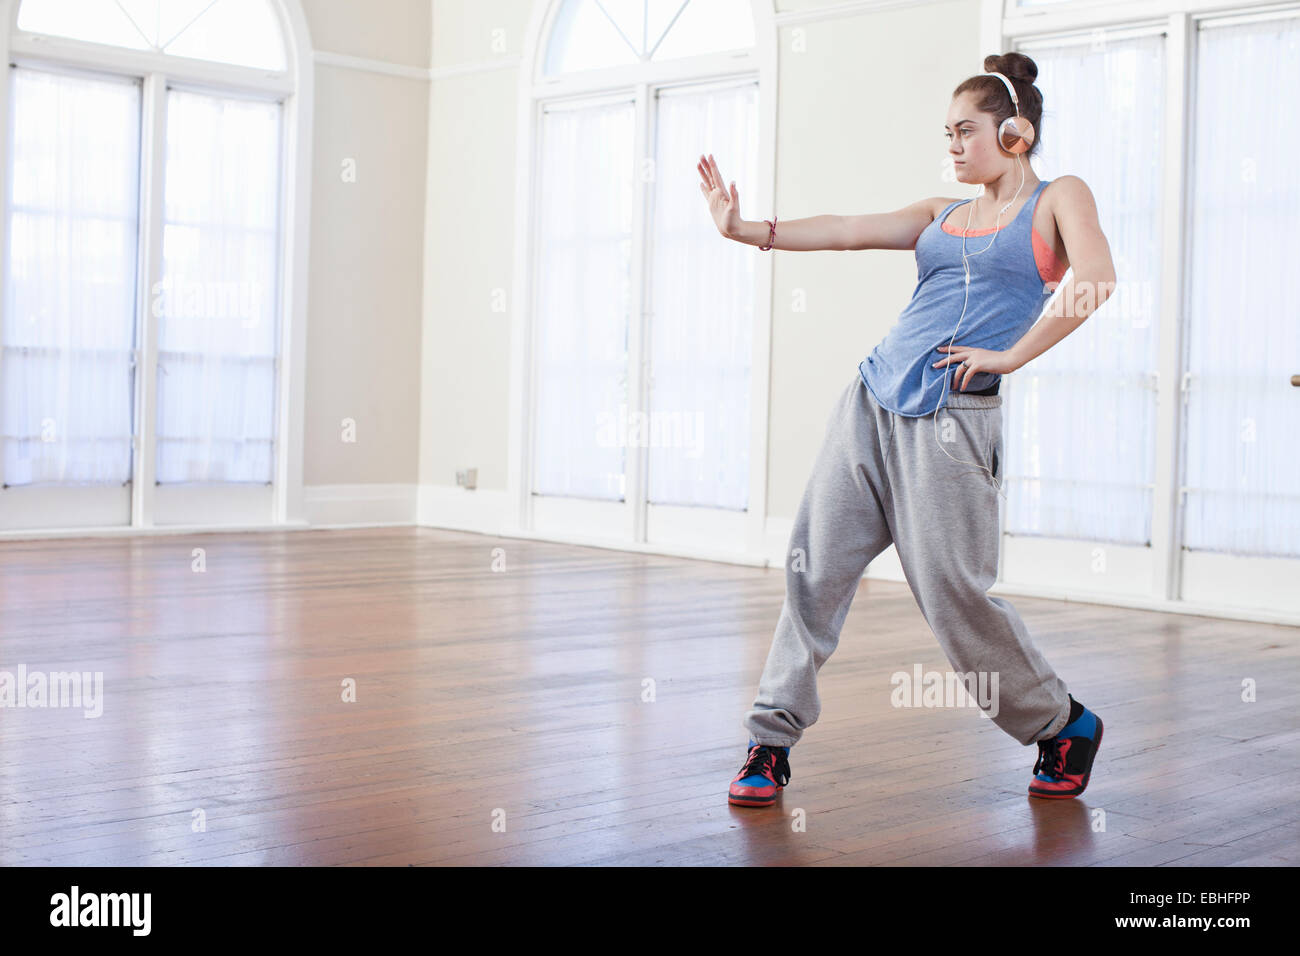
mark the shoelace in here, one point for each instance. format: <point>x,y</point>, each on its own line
<point>761,760</point>
<point>1050,759</point>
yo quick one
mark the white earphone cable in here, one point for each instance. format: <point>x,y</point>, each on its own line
<point>948,369</point>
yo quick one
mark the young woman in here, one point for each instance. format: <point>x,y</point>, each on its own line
<point>914,459</point>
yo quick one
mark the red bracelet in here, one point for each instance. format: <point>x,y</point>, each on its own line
<point>771,234</point>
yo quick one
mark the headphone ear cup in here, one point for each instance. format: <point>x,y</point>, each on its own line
<point>1016,134</point>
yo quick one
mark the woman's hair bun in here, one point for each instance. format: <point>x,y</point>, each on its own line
<point>1017,66</point>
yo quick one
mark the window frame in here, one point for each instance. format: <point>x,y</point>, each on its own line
<point>634,524</point>
<point>229,505</point>
<point>1162,574</point>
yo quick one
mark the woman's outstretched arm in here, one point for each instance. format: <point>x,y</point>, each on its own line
<point>798,235</point>
<point>886,230</point>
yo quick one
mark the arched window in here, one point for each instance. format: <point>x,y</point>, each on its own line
<point>243,32</point>
<point>144,275</point>
<point>590,34</point>
<point>646,323</point>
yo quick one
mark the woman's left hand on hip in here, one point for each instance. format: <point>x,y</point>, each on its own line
<point>974,360</point>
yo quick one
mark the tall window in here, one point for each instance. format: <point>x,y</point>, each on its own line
<point>1081,418</point>
<point>1187,487</point>
<point>93,289</point>
<point>632,276</point>
<point>701,305</point>
<point>584,298</point>
<point>1243,344</point>
<point>70,289</point>
<point>216,308</point>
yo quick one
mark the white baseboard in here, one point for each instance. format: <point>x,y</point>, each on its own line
<point>1221,612</point>
<point>776,537</point>
<point>483,510</point>
<point>120,531</point>
<point>339,506</point>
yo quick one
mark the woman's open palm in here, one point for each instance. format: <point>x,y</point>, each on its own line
<point>724,203</point>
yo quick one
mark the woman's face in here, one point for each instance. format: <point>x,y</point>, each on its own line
<point>972,142</point>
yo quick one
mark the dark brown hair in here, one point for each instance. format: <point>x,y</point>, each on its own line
<point>991,94</point>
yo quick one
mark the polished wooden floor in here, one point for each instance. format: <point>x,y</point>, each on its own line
<point>505,715</point>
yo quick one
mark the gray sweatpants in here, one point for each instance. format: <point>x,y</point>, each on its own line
<point>882,478</point>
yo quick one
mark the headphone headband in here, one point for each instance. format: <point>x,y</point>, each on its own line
<point>1015,100</point>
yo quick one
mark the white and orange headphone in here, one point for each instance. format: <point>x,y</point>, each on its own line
<point>1015,133</point>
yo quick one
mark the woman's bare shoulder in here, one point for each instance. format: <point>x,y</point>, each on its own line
<point>1067,192</point>
<point>1067,200</point>
<point>940,203</point>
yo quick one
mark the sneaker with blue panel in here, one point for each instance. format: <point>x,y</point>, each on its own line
<point>1064,763</point>
<point>765,773</point>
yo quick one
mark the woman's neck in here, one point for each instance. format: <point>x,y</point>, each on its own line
<point>1004,189</point>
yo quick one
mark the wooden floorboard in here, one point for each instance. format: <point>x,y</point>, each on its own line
<point>516,692</point>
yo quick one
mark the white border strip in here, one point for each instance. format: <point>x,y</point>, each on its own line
<point>1204,20</point>
<point>1084,39</point>
<point>850,8</point>
<point>342,60</point>
<point>483,66</point>
<point>366,65</point>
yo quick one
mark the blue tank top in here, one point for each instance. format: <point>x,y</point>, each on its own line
<point>1007,295</point>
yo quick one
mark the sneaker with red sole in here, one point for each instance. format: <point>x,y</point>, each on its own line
<point>1064,762</point>
<point>765,773</point>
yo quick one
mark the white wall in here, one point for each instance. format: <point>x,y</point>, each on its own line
<point>394,31</point>
<point>367,237</point>
<point>469,240</point>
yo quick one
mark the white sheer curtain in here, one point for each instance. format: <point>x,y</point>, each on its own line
<point>1242,468</point>
<point>583,304</point>
<point>216,304</point>
<point>70,289</point>
<point>702,303</point>
<point>1081,418</point>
